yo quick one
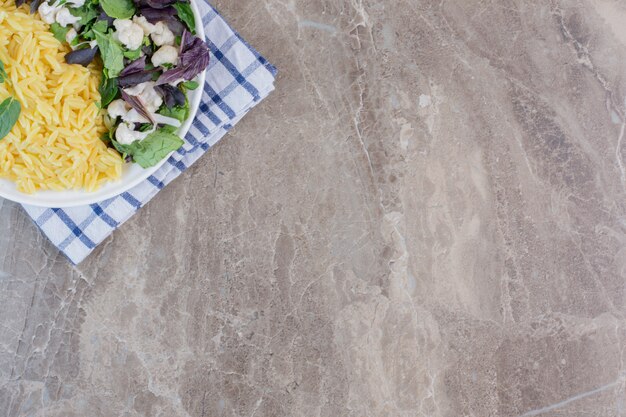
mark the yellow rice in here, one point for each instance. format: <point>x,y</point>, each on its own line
<point>55,145</point>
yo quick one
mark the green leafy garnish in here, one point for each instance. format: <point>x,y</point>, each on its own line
<point>190,85</point>
<point>3,73</point>
<point>108,90</point>
<point>150,151</point>
<point>59,31</point>
<point>144,127</point>
<point>133,55</point>
<point>112,54</point>
<point>186,15</point>
<point>106,136</point>
<point>101,26</point>
<point>10,110</point>
<point>118,9</point>
<point>180,113</point>
<point>87,12</point>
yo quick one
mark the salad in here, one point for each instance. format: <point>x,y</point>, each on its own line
<point>150,58</point>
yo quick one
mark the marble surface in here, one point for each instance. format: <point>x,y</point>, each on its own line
<point>427,218</point>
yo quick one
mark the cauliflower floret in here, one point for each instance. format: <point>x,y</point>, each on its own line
<point>125,135</point>
<point>129,33</point>
<point>147,94</point>
<point>148,28</point>
<point>166,54</point>
<point>162,35</point>
<point>117,108</point>
<point>135,90</point>
<point>65,18</point>
<point>47,12</point>
<point>70,35</point>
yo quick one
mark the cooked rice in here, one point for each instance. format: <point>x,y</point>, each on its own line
<point>55,145</point>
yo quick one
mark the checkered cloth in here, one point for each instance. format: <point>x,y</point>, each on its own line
<point>238,78</point>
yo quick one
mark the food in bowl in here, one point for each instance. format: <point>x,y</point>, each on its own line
<point>112,87</point>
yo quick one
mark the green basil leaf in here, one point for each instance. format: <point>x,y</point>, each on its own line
<point>108,90</point>
<point>180,113</point>
<point>106,137</point>
<point>186,15</point>
<point>100,26</point>
<point>190,85</point>
<point>144,127</point>
<point>87,12</point>
<point>112,54</point>
<point>3,73</point>
<point>118,9</point>
<point>150,151</point>
<point>118,146</point>
<point>59,31</point>
<point>133,55</point>
<point>10,110</point>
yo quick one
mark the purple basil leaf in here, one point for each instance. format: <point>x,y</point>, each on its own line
<point>18,3</point>
<point>135,66</point>
<point>34,5</point>
<point>153,15</point>
<point>137,104</point>
<point>172,96</point>
<point>81,56</point>
<point>194,58</point>
<point>160,4</point>
<point>175,26</point>
<point>185,41</point>
<point>134,79</point>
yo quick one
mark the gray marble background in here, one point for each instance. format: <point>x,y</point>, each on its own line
<point>427,218</point>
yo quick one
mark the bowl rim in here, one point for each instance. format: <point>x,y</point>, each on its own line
<point>81,197</point>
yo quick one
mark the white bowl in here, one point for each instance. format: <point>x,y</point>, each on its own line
<point>132,174</point>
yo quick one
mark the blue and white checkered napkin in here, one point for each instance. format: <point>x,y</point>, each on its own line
<point>238,78</point>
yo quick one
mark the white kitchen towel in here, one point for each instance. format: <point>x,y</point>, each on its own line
<point>237,79</point>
